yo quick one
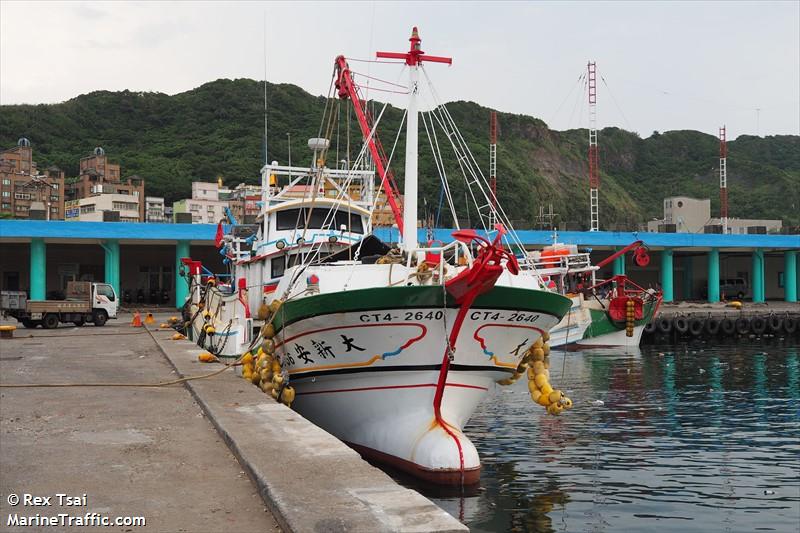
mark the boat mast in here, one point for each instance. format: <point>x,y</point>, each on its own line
<point>413,58</point>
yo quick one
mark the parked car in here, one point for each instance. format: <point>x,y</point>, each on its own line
<point>733,287</point>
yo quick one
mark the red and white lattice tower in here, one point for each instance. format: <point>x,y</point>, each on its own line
<point>594,156</point>
<point>723,179</point>
<point>493,168</point>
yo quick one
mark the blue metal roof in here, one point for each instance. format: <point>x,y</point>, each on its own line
<point>59,229</point>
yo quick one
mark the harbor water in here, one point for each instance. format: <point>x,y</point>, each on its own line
<point>691,437</point>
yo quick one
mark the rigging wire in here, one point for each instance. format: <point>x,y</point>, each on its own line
<point>614,100</point>
<point>574,86</point>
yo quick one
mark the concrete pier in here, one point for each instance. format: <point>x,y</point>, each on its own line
<point>181,455</point>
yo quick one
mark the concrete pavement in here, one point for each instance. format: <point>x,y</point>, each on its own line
<point>133,452</point>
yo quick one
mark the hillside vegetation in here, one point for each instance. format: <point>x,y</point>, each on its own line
<point>217,130</point>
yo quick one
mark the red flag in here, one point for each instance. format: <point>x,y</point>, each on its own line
<point>220,234</point>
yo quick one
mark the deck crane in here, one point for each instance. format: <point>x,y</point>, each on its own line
<point>347,89</point>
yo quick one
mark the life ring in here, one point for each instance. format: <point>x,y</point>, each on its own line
<point>681,324</point>
<point>742,326</point>
<point>712,325</point>
<point>650,328</point>
<point>775,323</point>
<point>758,324</point>
<point>696,326</point>
<point>790,325</point>
<point>664,325</point>
<point>727,326</point>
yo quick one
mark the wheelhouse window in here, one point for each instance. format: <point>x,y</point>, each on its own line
<point>290,218</point>
<point>278,266</point>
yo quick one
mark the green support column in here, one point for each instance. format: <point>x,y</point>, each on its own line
<point>666,274</point>
<point>181,287</point>
<point>619,266</point>
<point>758,275</point>
<point>790,276</point>
<point>38,282</point>
<point>713,275</point>
<point>111,249</point>
<point>688,277</point>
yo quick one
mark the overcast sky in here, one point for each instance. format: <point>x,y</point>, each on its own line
<point>664,65</point>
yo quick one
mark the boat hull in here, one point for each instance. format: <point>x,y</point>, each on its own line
<point>365,366</point>
<point>606,333</point>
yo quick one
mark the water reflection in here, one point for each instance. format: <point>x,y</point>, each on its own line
<point>689,437</point>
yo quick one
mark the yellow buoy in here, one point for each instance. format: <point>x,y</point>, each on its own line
<point>546,349</point>
<point>178,337</point>
<point>554,409</point>
<point>263,312</point>
<point>535,394</point>
<point>268,331</point>
<point>247,358</point>
<point>206,357</point>
<point>538,367</point>
<point>555,396</point>
<point>538,343</point>
<point>540,380</point>
<point>532,387</point>
<point>545,336</point>
<point>277,380</point>
<point>543,400</point>
<point>287,396</point>
<point>538,354</point>
<point>546,389</point>
<point>276,366</point>
<point>255,378</point>
<point>566,402</point>
<point>268,345</point>
<point>275,305</point>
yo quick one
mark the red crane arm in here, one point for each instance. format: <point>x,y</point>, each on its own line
<point>347,89</point>
<point>630,247</point>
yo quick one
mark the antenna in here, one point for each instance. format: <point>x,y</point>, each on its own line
<point>266,157</point>
<point>594,159</point>
<point>493,168</point>
<point>723,179</point>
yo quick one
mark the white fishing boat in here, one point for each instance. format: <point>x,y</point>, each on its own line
<point>390,350</point>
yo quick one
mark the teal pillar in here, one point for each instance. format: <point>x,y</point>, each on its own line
<point>790,275</point>
<point>758,275</point>
<point>688,277</point>
<point>181,287</point>
<point>38,282</point>
<point>713,275</point>
<point>619,265</point>
<point>666,274</point>
<point>111,249</point>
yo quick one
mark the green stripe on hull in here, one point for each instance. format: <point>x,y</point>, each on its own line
<point>416,297</point>
<point>602,325</point>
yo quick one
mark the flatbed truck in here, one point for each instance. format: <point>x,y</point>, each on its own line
<point>86,302</point>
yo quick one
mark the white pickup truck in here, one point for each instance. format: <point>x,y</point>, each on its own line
<point>86,302</point>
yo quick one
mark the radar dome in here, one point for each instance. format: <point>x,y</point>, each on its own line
<point>99,151</point>
<point>23,141</point>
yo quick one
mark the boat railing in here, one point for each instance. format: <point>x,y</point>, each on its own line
<point>560,265</point>
<point>434,259</point>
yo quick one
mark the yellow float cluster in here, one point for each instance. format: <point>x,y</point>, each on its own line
<point>630,317</point>
<point>264,368</point>
<point>536,364</point>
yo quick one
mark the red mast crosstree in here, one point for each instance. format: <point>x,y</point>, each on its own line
<point>348,89</point>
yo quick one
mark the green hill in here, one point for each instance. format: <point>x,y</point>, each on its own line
<point>217,130</point>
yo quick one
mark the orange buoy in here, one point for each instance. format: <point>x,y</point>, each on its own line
<point>137,320</point>
<point>149,319</point>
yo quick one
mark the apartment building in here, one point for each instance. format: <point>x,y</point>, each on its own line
<point>98,176</point>
<point>155,210</point>
<point>24,191</point>
<point>207,204</point>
